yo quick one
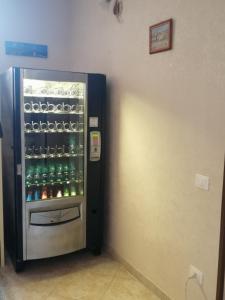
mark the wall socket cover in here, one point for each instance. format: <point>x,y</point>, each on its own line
<point>198,274</point>
<point>202,182</point>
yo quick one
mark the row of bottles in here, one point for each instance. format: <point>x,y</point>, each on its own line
<point>32,107</point>
<point>52,173</point>
<point>71,150</point>
<point>59,191</point>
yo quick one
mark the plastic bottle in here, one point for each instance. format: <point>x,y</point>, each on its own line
<point>29,176</point>
<point>51,173</point>
<point>66,173</point>
<point>44,175</point>
<point>59,173</point>
<point>81,189</point>
<point>73,191</point>
<point>59,193</point>
<point>72,146</point>
<point>29,196</point>
<point>66,192</point>
<point>44,193</point>
<point>37,175</point>
<point>72,172</point>
<point>37,195</point>
<point>51,193</point>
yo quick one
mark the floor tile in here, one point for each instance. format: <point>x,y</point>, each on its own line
<point>83,284</point>
<point>55,297</point>
<point>80,276</point>
<point>126,287</point>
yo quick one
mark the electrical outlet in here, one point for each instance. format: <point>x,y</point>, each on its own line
<point>202,181</point>
<point>193,271</point>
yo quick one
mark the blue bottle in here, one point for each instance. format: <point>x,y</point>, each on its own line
<point>37,195</point>
<point>29,196</point>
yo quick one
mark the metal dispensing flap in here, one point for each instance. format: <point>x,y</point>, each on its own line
<point>53,217</point>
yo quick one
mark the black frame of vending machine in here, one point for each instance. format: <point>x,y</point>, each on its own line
<point>12,180</point>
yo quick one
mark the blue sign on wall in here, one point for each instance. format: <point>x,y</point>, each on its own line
<point>26,49</point>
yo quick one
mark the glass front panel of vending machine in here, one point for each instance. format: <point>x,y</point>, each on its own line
<point>53,139</point>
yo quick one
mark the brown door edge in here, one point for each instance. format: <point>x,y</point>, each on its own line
<point>221,263</point>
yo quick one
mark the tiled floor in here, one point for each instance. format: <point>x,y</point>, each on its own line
<point>78,276</point>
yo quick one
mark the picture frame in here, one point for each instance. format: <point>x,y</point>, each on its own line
<point>160,36</point>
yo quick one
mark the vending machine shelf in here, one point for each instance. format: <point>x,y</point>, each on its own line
<point>54,157</point>
<point>53,198</point>
<point>54,113</point>
<point>53,131</point>
<point>43,191</point>
<point>72,97</point>
<point>55,183</point>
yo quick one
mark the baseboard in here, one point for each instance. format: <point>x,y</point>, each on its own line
<point>156,290</point>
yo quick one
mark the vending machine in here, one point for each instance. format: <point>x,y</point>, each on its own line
<point>53,162</point>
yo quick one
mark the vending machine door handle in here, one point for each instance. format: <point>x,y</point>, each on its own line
<point>1,133</point>
<point>19,169</point>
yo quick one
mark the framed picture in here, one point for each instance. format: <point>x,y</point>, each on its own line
<point>160,36</point>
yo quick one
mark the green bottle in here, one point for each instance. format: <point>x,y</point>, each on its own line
<point>44,175</point>
<point>81,189</point>
<point>37,175</point>
<point>66,192</point>
<point>66,173</point>
<point>59,173</point>
<point>72,172</point>
<point>51,173</point>
<point>72,149</point>
<point>72,146</point>
<point>29,176</point>
<point>73,191</point>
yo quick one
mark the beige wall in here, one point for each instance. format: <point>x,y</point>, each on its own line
<point>44,22</point>
<point>166,123</point>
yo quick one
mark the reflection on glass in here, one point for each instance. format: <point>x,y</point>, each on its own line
<point>54,139</point>
<point>42,88</point>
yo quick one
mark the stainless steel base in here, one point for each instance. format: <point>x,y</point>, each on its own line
<point>54,227</point>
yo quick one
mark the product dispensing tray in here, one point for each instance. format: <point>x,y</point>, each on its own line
<point>54,228</point>
<point>54,217</point>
